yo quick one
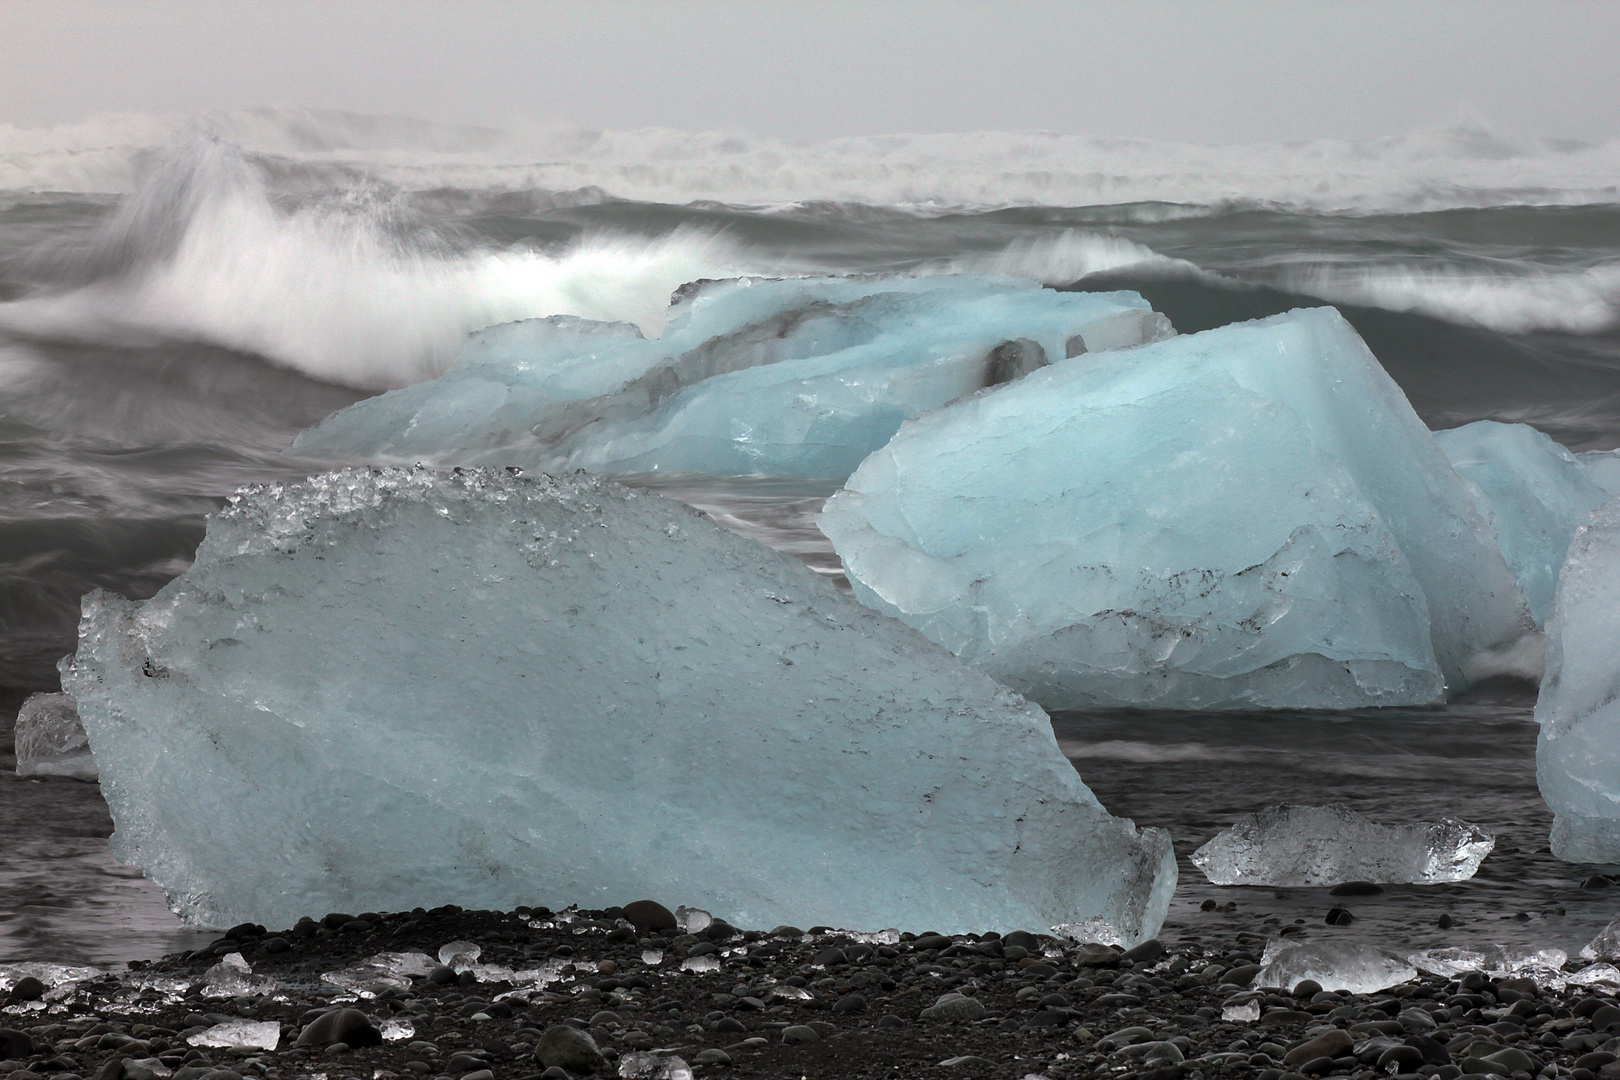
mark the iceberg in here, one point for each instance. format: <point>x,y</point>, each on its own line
<point>1533,493</point>
<point>793,378</point>
<point>1329,845</point>
<point>1336,965</point>
<point>381,689</point>
<point>51,741</point>
<point>1251,516</point>
<point>1578,707</point>
<point>1602,467</point>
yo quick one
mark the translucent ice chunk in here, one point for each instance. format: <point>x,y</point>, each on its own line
<point>394,1030</point>
<point>273,742</point>
<point>1532,492</point>
<point>1249,516</point>
<point>51,741</point>
<point>1578,751</point>
<point>800,377</point>
<point>1337,965</point>
<point>232,977</point>
<point>1606,946</point>
<point>1245,1013</point>
<point>652,957</point>
<point>240,1035</point>
<point>692,920</point>
<point>708,962</point>
<point>1329,845</point>
<point>52,975</point>
<point>463,952</point>
<point>638,1065</point>
<point>1602,467</point>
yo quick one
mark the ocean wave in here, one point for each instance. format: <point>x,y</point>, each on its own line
<point>1464,166</point>
<point>1581,301</point>
<point>1063,257</point>
<point>201,253</point>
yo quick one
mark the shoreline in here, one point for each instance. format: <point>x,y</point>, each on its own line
<point>815,1004</point>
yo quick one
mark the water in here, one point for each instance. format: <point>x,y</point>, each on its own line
<point>175,307</point>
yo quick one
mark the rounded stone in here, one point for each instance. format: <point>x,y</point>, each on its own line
<point>27,988</point>
<point>349,1026</point>
<point>713,1056</point>
<point>649,915</point>
<point>569,1048</point>
<point>850,1003</point>
<point>15,1045</point>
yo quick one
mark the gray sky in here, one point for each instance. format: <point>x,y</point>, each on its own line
<point>1204,72</point>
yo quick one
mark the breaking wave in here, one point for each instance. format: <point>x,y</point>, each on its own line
<point>199,252</point>
<point>1465,166</point>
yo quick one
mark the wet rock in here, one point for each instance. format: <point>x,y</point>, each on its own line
<point>1330,1044</point>
<point>800,1033</point>
<point>15,1045</point>
<point>955,1008</point>
<point>351,1027</point>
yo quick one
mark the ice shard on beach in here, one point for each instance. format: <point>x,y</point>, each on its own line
<point>1578,708</point>
<point>382,689</point>
<point>1354,966</point>
<point>1248,516</point>
<point>799,377</point>
<point>1329,845</point>
<point>50,740</point>
<point>1532,492</point>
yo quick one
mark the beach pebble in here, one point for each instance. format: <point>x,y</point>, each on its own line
<point>27,988</point>
<point>955,1008</point>
<point>1150,951</point>
<point>967,1061</point>
<point>1330,1044</point>
<point>850,1003</point>
<point>649,915</point>
<point>569,1048</point>
<point>713,1056</point>
<point>14,1044</point>
<point>351,1027</point>
<point>800,1033</point>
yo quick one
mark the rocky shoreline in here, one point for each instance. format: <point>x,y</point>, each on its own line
<point>623,992</point>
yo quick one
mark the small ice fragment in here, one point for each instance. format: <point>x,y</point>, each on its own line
<point>701,963</point>
<point>652,957</point>
<point>366,979</point>
<point>693,920</point>
<point>52,975</point>
<point>466,950</point>
<point>1248,1012</point>
<point>232,977</point>
<point>1447,963</point>
<point>638,1065</point>
<point>240,1035</point>
<point>1329,845</point>
<point>790,993</point>
<point>1595,973</point>
<point>51,741</point>
<point>1606,946</point>
<point>1337,965</point>
<point>395,1031</point>
<point>492,973</point>
<point>881,937</point>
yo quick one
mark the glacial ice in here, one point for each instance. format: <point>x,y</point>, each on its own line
<point>798,377</point>
<point>1606,945</point>
<point>1578,708</point>
<point>381,689</point>
<point>239,1035</point>
<point>1602,467</point>
<point>51,741</point>
<point>1329,845</point>
<point>1533,493</point>
<point>1251,516</point>
<point>1337,965</point>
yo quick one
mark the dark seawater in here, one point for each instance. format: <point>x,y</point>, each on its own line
<point>161,347</point>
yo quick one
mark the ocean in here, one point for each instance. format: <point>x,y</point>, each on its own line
<point>180,296</point>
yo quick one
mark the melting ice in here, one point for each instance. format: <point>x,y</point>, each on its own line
<point>50,740</point>
<point>1249,516</point>
<point>1329,845</point>
<point>800,377</point>
<point>375,671</point>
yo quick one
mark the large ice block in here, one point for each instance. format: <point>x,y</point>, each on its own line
<point>377,690</point>
<point>1329,845</point>
<point>1249,516</point>
<point>1533,493</point>
<point>1578,708</point>
<point>799,377</point>
<point>51,741</point>
<point>1602,467</point>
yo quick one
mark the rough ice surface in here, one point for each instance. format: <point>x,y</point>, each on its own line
<point>1337,965</point>
<point>233,977</point>
<point>641,1065</point>
<point>1248,516</point>
<point>382,689</point>
<point>1329,845</point>
<point>51,741</point>
<point>1606,946</point>
<point>799,377</point>
<point>1602,467</point>
<point>1532,492</point>
<point>1578,708</point>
